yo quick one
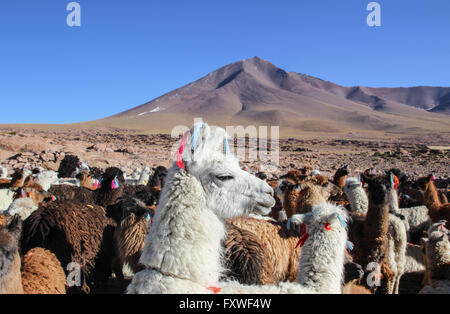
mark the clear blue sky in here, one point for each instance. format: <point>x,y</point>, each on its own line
<point>128,52</point>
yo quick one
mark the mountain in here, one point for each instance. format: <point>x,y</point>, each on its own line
<point>256,92</point>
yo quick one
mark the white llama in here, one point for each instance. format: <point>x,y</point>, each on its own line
<point>145,176</point>
<point>23,207</point>
<point>437,255</point>
<point>356,195</point>
<point>183,251</point>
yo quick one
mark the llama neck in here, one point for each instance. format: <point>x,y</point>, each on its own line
<point>322,261</point>
<point>340,179</point>
<point>393,201</point>
<point>432,198</point>
<point>290,199</point>
<point>185,239</point>
<point>358,200</point>
<point>376,224</point>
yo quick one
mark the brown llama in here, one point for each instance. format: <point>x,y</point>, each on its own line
<point>301,197</point>
<point>42,273</point>
<point>65,192</point>
<point>158,177</point>
<point>370,233</point>
<point>340,176</point>
<point>353,273</point>
<point>17,180</point>
<point>288,191</point>
<point>112,187</point>
<point>436,210</point>
<point>74,232</point>
<point>88,181</point>
<point>243,255</point>
<point>131,216</point>
<point>281,257</point>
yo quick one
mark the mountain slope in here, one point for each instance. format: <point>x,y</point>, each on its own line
<point>255,92</point>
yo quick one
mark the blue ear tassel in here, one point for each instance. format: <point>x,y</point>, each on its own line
<point>288,225</point>
<point>392,179</point>
<point>194,136</point>
<point>342,221</point>
<point>227,146</point>
<point>350,246</point>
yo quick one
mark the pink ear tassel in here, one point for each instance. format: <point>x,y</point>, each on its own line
<point>115,184</point>
<point>178,155</point>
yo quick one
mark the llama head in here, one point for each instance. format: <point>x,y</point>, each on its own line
<point>324,217</point>
<point>36,193</point>
<point>289,186</point>
<point>158,177</point>
<point>351,184</point>
<point>145,175</point>
<point>379,187</point>
<point>229,190</point>
<point>289,192</point>
<point>128,206</point>
<point>342,171</point>
<point>438,230</point>
<point>112,174</point>
<point>17,176</point>
<point>424,183</point>
<point>147,170</point>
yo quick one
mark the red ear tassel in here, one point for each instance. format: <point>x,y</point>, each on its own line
<point>303,238</point>
<point>180,162</point>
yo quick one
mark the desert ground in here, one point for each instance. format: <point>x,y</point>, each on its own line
<point>126,149</point>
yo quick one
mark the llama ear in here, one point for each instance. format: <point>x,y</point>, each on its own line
<point>336,217</point>
<point>391,179</point>
<point>193,143</point>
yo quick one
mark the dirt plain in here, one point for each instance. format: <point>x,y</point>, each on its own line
<point>106,147</point>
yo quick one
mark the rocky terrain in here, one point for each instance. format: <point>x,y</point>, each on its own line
<point>125,149</point>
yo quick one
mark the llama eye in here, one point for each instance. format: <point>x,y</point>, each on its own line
<point>224,178</point>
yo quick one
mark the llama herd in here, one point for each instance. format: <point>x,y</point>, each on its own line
<point>208,225</point>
